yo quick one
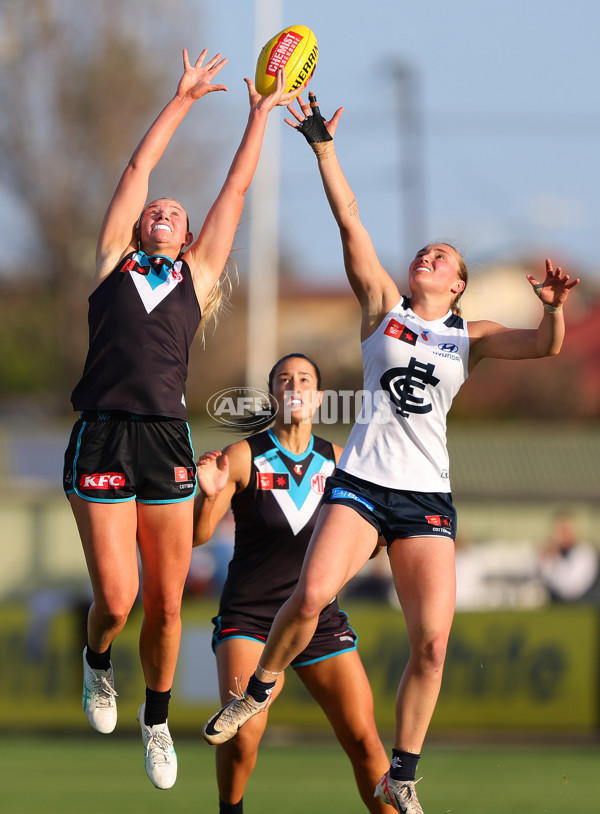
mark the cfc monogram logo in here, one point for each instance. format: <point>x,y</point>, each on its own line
<point>400,383</point>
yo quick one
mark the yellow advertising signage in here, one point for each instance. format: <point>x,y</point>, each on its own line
<point>531,671</point>
<point>534,670</point>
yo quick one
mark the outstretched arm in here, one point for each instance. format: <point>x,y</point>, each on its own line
<point>208,255</point>
<point>374,288</point>
<point>491,340</point>
<point>117,234</point>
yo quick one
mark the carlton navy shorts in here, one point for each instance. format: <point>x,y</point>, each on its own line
<point>332,636</point>
<point>395,513</point>
<point>114,456</point>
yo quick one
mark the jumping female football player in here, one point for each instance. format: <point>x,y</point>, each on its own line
<point>392,478</point>
<point>129,468</point>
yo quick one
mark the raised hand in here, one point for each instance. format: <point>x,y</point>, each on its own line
<point>311,123</point>
<point>555,288</point>
<point>212,472</point>
<point>197,79</point>
<point>278,97</point>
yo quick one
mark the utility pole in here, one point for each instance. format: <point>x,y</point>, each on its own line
<point>264,227</point>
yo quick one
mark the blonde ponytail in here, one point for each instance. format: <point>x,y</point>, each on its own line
<point>218,302</point>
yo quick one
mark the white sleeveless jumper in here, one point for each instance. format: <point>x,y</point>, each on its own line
<point>412,371</point>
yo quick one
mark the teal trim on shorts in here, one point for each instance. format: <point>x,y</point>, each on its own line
<point>160,502</point>
<point>99,500</point>
<point>217,642</point>
<point>75,491</point>
<point>324,658</point>
<point>190,440</point>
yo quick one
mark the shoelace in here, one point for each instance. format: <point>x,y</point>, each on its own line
<point>410,795</point>
<point>159,746</point>
<point>407,794</point>
<point>238,692</point>
<point>231,714</point>
<point>104,691</point>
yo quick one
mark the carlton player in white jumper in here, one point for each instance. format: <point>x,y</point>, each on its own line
<point>393,476</point>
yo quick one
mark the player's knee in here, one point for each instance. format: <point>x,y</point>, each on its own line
<point>432,652</point>
<point>163,612</point>
<point>363,748</point>
<point>244,749</point>
<point>113,615</point>
<point>308,604</point>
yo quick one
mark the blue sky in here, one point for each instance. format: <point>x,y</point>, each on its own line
<point>504,164</point>
<point>507,156</point>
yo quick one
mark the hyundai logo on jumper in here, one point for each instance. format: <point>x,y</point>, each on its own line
<point>246,405</point>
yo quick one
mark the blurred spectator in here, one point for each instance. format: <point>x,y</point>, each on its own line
<point>568,565</point>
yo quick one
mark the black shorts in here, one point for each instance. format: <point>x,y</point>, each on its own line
<point>113,457</point>
<point>395,513</point>
<point>332,636</point>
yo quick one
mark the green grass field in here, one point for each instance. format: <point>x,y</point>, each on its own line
<point>105,775</point>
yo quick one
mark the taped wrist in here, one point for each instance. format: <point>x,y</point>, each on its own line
<point>323,149</point>
<point>553,309</point>
<point>314,131</point>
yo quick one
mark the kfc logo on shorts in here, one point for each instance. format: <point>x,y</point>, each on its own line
<point>105,480</point>
<point>317,483</point>
<point>183,473</point>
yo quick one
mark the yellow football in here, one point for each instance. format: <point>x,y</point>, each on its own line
<point>295,50</point>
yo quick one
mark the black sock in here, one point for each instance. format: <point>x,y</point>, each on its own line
<point>98,661</point>
<point>157,707</point>
<point>231,808</point>
<point>404,765</point>
<point>259,690</point>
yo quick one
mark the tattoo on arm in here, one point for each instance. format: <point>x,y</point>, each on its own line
<point>353,208</point>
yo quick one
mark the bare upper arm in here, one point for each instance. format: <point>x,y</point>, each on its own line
<point>208,255</point>
<point>337,452</point>
<point>490,340</point>
<point>375,290</point>
<point>117,235</point>
<point>240,464</point>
